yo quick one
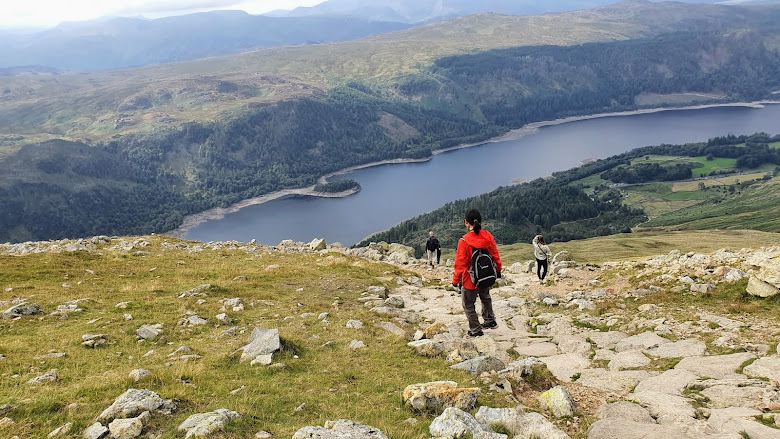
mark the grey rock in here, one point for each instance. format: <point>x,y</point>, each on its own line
<point>665,408</point>
<point>354,324</point>
<point>438,395</point>
<point>427,348</point>
<point>581,304</point>
<point>521,425</point>
<point>223,318</point>
<point>395,302</point>
<point>734,421</point>
<point>261,346</point>
<point>138,374</point>
<point>47,377</point>
<point>619,382</point>
<point>196,320</point>
<point>61,431</point>
<point>125,428</point>
<point>318,244</point>
<point>628,360</point>
<point>95,431</point>
<point>558,401</point>
<point>755,394</point>
<point>645,340</point>
<point>356,344</point>
<point>672,381</point>
<point>340,429</point>
<point>378,291</point>
<point>615,428</point>
<point>724,322</point>
<point>566,365</point>
<point>544,349</point>
<point>392,328</point>
<point>134,402</point>
<point>766,367</point>
<point>625,410</point>
<point>678,349</point>
<point>94,340</point>
<point>607,340</point>
<point>22,309</point>
<point>715,366</point>
<point>478,365</point>
<point>149,332</point>
<point>455,423</point>
<point>760,288</point>
<point>199,291</point>
<point>702,288</point>
<point>204,424</point>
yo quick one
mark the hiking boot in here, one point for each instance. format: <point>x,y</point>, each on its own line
<point>475,333</point>
<point>490,325</point>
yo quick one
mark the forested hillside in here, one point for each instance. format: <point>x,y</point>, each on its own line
<point>586,201</point>
<point>290,144</point>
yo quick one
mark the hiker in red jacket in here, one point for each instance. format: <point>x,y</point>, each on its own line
<point>475,238</point>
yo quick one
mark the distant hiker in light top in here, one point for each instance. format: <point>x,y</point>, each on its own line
<point>475,238</point>
<point>542,254</point>
<point>432,249</point>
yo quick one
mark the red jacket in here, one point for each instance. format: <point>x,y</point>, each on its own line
<point>463,256</point>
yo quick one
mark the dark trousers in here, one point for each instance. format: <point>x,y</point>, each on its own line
<point>438,256</point>
<point>541,268</point>
<point>469,298</point>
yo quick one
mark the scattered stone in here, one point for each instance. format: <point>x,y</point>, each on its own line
<point>455,423</point>
<point>520,425</point>
<point>133,402</point>
<point>262,434</point>
<point>340,429</point>
<point>434,329</point>
<point>94,340</point>
<point>544,349</point>
<point>381,292</point>
<point>224,318</point>
<point>22,309</point>
<point>557,400</point>
<point>318,244</point>
<point>198,291</point>
<point>392,328</point>
<point>149,332</point>
<point>47,377</point>
<point>138,374</point>
<point>721,321</point>
<point>395,302</point>
<point>61,431</point>
<point>126,428</point>
<point>702,288</point>
<point>51,356</point>
<point>427,348</point>
<point>437,395</point>
<point>479,365</point>
<point>356,344</point>
<point>95,431</point>
<point>759,288</point>
<point>204,424</point>
<point>261,346</point>
<point>354,324</point>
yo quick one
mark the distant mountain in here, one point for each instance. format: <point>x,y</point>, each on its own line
<point>416,11</point>
<point>128,42</point>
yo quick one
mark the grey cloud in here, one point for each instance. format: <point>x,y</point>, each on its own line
<point>165,7</point>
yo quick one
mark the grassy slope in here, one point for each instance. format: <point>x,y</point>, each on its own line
<point>88,105</point>
<point>333,381</point>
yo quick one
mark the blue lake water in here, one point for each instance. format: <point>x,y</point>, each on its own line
<point>393,193</point>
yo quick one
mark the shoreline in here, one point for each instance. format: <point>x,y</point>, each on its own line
<point>216,213</point>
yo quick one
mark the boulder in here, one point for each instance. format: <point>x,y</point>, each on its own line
<point>125,428</point>
<point>354,324</point>
<point>94,340</point>
<point>766,367</point>
<point>341,429</point>
<point>47,377</point>
<point>434,329</point>
<point>544,349</point>
<point>134,402</point>
<point>480,364</point>
<point>437,395</point>
<point>204,424</point>
<point>261,346</point>
<point>455,423</point>
<point>760,288</point>
<point>138,374</point>
<point>665,408</point>
<point>395,302</point>
<point>378,291</point>
<point>607,340</point>
<point>95,431</point>
<point>558,401</point>
<point>22,309</point>
<point>427,348</point>
<point>406,251</point>
<point>520,424</point>
<point>149,332</point>
<point>562,256</point>
<point>318,244</point>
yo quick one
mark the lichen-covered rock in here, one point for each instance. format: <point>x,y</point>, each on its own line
<point>204,424</point>
<point>340,429</point>
<point>318,244</point>
<point>427,348</point>
<point>480,364</point>
<point>761,288</point>
<point>261,347</point>
<point>455,423</point>
<point>437,395</point>
<point>558,401</point>
<point>135,401</point>
<point>22,309</point>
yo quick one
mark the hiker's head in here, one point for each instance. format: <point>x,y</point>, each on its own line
<point>541,240</point>
<point>474,219</point>
<point>430,233</point>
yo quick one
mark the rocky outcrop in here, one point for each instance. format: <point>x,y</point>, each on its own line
<point>340,429</point>
<point>437,395</point>
<point>205,424</point>
<point>261,346</point>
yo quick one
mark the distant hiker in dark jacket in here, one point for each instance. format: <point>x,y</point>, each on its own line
<point>475,238</point>
<point>543,255</point>
<point>432,249</point>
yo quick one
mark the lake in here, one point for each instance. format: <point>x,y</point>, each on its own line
<point>393,193</point>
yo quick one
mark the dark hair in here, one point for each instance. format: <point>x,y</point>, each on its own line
<point>541,240</point>
<point>474,218</point>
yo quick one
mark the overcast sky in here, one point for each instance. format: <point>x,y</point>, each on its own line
<point>47,13</point>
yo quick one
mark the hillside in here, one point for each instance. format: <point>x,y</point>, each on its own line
<point>724,183</point>
<point>86,321</point>
<point>129,42</point>
<point>100,105</point>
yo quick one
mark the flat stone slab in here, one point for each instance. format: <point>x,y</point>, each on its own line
<point>565,366</point>
<point>736,420</point>
<point>678,349</point>
<point>671,382</point>
<point>715,366</point>
<point>665,408</point>
<point>607,340</point>
<point>614,428</point>
<point>628,360</point>
<point>618,382</point>
<point>545,349</point>
<point>639,342</point>
<point>625,410</point>
<point>767,367</point>
<point>754,394</point>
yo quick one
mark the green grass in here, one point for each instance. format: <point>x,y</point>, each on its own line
<point>774,145</point>
<point>332,380</point>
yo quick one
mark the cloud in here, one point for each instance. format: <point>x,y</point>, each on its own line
<point>153,8</point>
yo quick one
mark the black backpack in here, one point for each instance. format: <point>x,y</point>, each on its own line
<point>483,269</point>
<point>433,244</point>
